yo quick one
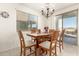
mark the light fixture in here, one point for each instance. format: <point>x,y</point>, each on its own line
<point>48,10</point>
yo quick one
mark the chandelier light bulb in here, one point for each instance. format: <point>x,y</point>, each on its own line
<point>48,11</point>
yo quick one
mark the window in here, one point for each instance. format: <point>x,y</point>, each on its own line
<point>26,21</point>
<point>69,22</point>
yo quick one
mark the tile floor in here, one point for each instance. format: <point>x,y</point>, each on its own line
<point>68,50</point>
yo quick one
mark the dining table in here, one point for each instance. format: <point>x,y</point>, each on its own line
<point>38,36</point>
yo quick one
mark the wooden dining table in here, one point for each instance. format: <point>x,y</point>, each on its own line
<point>38,36</point>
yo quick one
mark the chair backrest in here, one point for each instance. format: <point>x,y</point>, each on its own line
<point>62,34</point>
<point>22,42</point>
<point>51,30</point>
<point>33,30</point>
<point>38,31</point>
<point>54,37</point>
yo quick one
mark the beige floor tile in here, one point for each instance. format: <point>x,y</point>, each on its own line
<point>69,50</point>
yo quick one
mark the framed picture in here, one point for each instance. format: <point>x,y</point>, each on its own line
<point>4,14</point>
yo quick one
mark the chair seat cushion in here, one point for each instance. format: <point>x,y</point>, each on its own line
<point>29,43</point>
<point>46,44</point>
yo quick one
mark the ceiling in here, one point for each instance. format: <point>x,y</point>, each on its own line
<point>73,13</point>
<point>56,6</point>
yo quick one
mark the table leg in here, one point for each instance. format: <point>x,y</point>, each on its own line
<point>36,48</point>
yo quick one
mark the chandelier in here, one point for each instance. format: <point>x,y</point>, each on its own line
<point>48,10</point>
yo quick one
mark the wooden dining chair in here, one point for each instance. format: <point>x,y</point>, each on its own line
<point>60,40</point>
<point>24,45</point>
<point>33,30</point>
<point>51,30</point>
<point>50,46</point>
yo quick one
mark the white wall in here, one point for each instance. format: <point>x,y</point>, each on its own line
<point>51,22</point>
<point>70,8</point>
<point>8,35</point>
